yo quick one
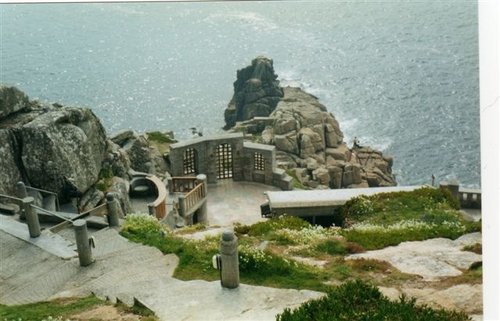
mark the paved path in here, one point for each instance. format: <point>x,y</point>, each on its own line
<point>124,270</point>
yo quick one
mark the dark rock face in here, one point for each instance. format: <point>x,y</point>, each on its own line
<point>67,142</point>
<point>9,171</point>
<point>256,92</point>
<point>12,100</point>
<point>44,143</point>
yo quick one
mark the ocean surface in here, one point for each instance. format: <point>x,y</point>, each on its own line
<point>402,76</point>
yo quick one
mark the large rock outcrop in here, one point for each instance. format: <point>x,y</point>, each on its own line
<point>12,100</point>
<point>42,144</point>
<point>256,92</point>
<point>309,143</point>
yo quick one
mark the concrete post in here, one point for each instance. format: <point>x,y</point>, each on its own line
<point>182,206</point>
<point>170,185</point>
<point>83,242</point>
<point>452,186</point>
<point>113,210</point>
<point>230,273</point>
<point>202,211</point>
<point>31,216</point>
<point>21,190</point>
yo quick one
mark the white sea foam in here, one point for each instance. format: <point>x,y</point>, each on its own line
<point>253,19</point>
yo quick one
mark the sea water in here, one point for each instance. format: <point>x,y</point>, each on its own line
<point>401,76</point>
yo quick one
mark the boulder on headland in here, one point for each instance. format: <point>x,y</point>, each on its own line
<point>307,136</point>
<point>45,145</point>
<point>12,100</point>
<point>256,92</point>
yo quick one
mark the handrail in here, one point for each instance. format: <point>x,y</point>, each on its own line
<point>192,199</point>
<point>11,197</point>
<point>183,184</point>
<point>45,191</point>
<point>88,212</point>
<point>51,213</point>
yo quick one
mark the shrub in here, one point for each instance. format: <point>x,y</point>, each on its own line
<point>475,248</point>
<point>160,137</point>
<point>273,224</point>
<point>142,224</point>
<point>357,300</point>
<point>373,236</point>
<point>332,247</point>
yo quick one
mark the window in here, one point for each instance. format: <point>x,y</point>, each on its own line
<point>258,162</point>
<point>189,161</point>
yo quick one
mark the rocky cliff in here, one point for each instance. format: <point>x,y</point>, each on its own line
<point>45,145</point>
<point>309,141</point>
<point>256,92</point>
<point>42,144</point>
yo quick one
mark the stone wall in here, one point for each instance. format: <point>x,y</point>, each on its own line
<point>244,160</point>
<point>206,156</point>
<point>268,154</point>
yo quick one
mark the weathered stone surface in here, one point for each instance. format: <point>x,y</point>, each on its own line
<point>63,142</point>
<point>287,143</point>
<point>91,199</point>
<point>322,176</point>
<point>310,142</point>
<point>123,136</point>
<point>304,129</point>
<point>12,100</point>
<point>463,297</point>
<point>256,92</point>
<point>335,176</point>
<point>117,159</point>
<point>9,171</point>
<point>139,154</point>
<point>432,259</point>
<point>120,188</point>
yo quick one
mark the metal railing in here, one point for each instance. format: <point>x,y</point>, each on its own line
<point>182,184</point>
<point>45,192</point>
<point>469,198</point>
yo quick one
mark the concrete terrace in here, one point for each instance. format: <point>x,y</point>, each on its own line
<point>228,202</point>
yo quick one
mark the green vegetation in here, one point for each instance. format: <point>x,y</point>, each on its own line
<point>63,309</point>
<point>475,248</point>
<point>387,219</point>
<point>160,141</point>
<point>361,301</point>
<point>105,179</point>
<point>195,257</point>
<point>295,180</point>
<point>160,137</point>
<point>293,248</point>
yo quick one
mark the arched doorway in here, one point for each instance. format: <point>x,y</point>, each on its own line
<point>224,161</point>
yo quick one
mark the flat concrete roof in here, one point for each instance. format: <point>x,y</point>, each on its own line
<point>258,146</point>
<point>201,139</point>
<point>326,197</point>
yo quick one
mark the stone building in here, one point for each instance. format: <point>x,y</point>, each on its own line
<point>227,156</point>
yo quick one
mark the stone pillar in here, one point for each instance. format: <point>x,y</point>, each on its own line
<point>182,206</point>
<point>21,190</point>
<point>452,186</point>
<point>31,216</point>
<point>230,273</point>
<point>113,210</point>
<point>170,185</point>
<point>83,242</point>
<point>202,211</point>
